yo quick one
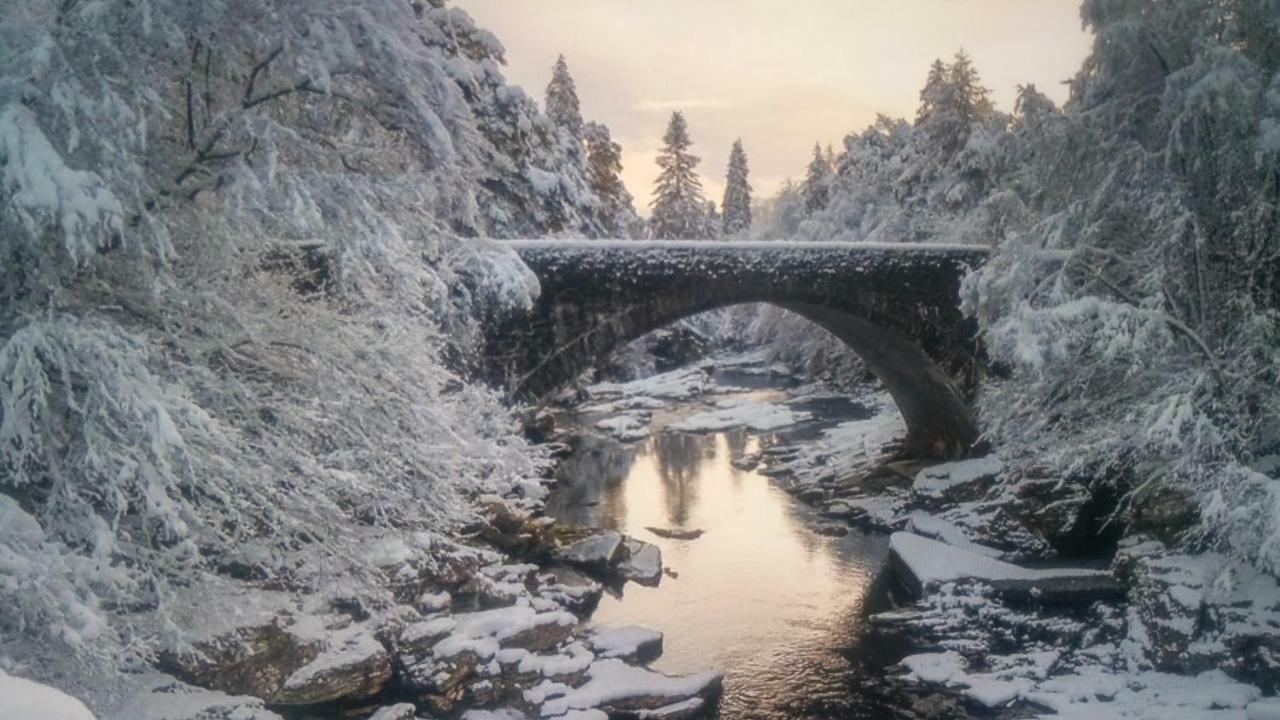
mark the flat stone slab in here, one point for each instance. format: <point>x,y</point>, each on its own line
<point>923,565</point>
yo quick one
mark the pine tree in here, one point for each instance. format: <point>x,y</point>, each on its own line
<point>936,89</point>
<point>678,205</point>
<point>816,190</point>
<point>737,193</point>
<point>562,100</point>
<point>604,171</point>
<point>972,100</point>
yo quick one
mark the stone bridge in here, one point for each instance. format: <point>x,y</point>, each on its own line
<point>896,306</point>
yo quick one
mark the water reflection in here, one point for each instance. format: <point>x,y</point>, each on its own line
<point>760,595</point>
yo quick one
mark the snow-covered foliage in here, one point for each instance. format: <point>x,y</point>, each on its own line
<point>562,100</point>
<point>237,298</point>
<point>1131,309</point>
<point>604,167</point>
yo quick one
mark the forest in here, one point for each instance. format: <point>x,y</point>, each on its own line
<point>250,251</point>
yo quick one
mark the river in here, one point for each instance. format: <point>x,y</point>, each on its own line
<point>765,594</point>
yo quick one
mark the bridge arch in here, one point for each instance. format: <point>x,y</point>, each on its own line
<point>896,306</point>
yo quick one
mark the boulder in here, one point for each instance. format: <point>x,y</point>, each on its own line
<point>253,659</point>
<point>640,562</point>
<point>173,700</point>
<point>356,666</point>
<point>595,553</point>
<point>954,482</point>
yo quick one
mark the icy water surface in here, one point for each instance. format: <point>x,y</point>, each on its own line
<point>760,595</point>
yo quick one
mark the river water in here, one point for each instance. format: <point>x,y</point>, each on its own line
<point>761,595</point>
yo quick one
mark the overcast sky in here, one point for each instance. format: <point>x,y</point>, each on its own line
<point>780,74</point>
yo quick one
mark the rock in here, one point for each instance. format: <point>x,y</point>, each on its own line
<point>641,562</point>
<point>1202,612</point>
<point>676,533</point>
<point>595,552</point>
<point>922,565</point>
<point>955,482</point>
<point>831,529</point>
<point>747,462</point>
<point>631,643</point>
<point>251,660</point>
<point>173,700</point>
<point>355,666</point>
<point>570,589</point>
<point>403,711</point>
<point>615,687</point>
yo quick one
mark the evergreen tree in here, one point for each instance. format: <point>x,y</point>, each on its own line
<point>972,100</point>
<point>737,193</point>
<point>816,182</point>
<point>935,91</point>
<point>713,227</point>
<point>562,100</point>
<point>678,205</point>
<point>604,171</point>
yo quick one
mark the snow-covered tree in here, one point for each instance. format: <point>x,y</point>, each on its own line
<point>604,166</point>
<point>241,270</point>
<point>816,181</point>
<point>737,193</point>
<point>679,209</point>
<point>562,100</point>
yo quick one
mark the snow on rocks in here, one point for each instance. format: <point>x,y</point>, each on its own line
<point>1195,612</point>
<point>956,481</point>
<point>401,711</point>
<point>748,414</point>
<point>675,385</point>
<point>922,565</point>
<point>625,428</point>
<point>172,700</point>
<point>631,643</point>
<point>615,686</point>
<point>22,699</point>
<point>355,665</point>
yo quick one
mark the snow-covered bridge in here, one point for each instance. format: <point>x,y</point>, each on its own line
<point>897,306</point>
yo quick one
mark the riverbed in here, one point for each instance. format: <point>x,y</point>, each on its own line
<point>765,592</point>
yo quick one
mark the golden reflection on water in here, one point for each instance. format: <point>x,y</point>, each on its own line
<point>757,588</point>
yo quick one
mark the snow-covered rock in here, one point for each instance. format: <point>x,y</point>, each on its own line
<point>616,686</point>
<point>631,643</point>
<point>355,665</point>
<point>751,415</point>
<point>172,700</point>
<point>923,565</point>
<point>955,481</point>
<point>22,699</point>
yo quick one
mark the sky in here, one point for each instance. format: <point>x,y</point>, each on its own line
<point>779,74</point>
